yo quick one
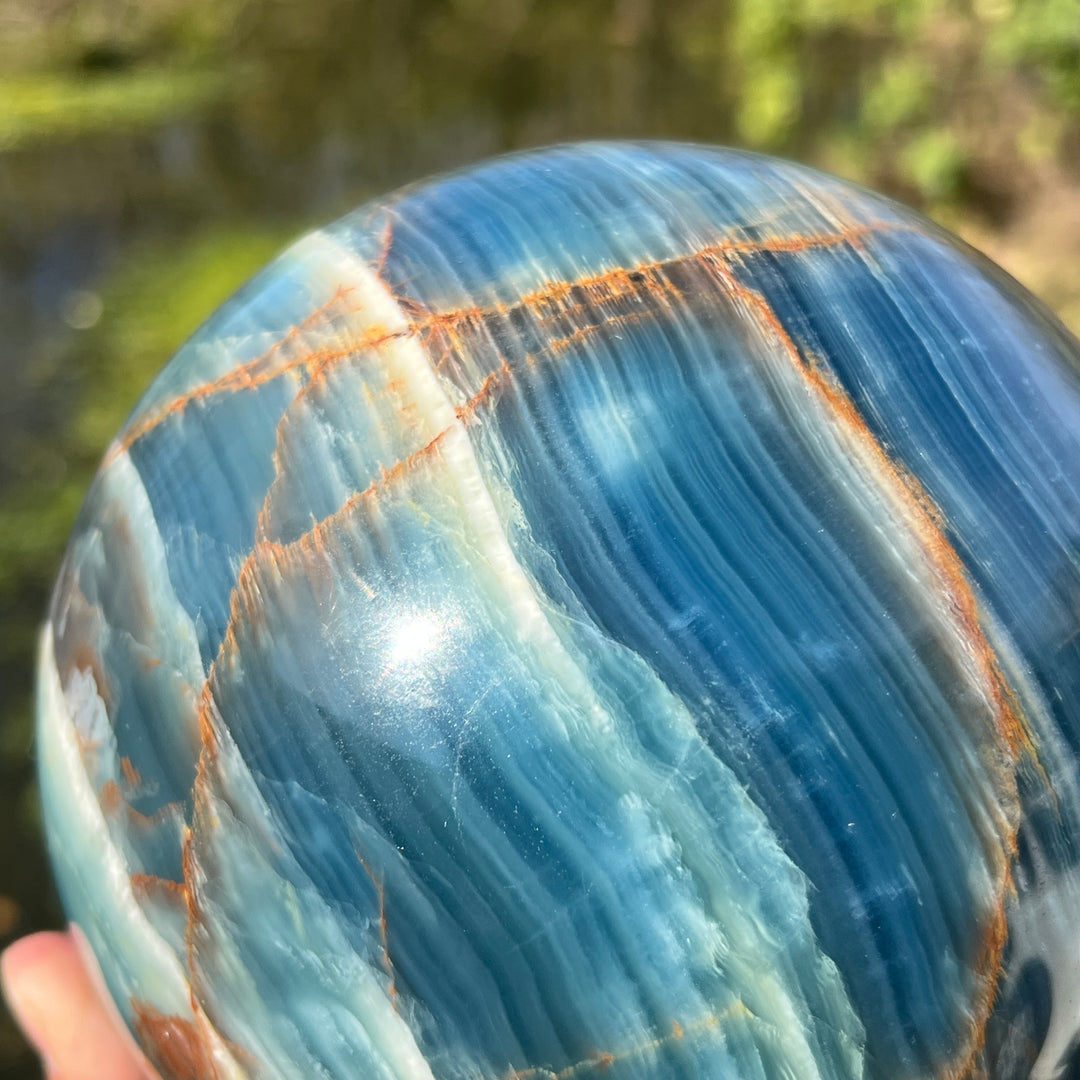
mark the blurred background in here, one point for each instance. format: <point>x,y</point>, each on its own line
<point>154,153</point>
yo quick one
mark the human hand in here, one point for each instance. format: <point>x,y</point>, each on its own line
<point>54,999</point>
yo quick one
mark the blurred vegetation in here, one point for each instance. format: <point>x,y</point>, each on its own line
<point>153,153</point>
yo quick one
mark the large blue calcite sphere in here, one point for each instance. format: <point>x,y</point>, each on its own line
<point>614,611</point>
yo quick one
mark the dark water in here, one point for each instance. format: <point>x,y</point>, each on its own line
<point>120,230</point>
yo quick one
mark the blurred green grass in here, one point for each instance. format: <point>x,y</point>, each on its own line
<point>51,105</point>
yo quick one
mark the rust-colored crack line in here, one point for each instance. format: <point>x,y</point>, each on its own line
<point>312,540</point>
<point>927,522</point>
<point>596,290</point>
<point>924,515</point>
<point>177,1046</point>
<point>623,281</point>
<point>601,1060</point>
<point>319,361</point>
<point>547,301</point>
<point>309,543</point>
<point>989,964</point>
<point>202,820</point>
<point>321,366</point>
<point>149,885</point>
<point>245,376</point>
<point>556,300</point>
<point>244,596</point>
<point>159,1030</point>
<point>131,774</point>
<point>187,869</point>
<point>384,937</point>
<point>112,799</point>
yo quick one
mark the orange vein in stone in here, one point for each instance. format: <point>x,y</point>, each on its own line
<point>626,278</point>
<point>604,1059</point>
<point>918,502</point>
<point>989,963</point>
<point>384,940</point>
<point>111,799</point>
<point>244,591</point>
<point>244,377</point>
<point>603,286</point>
<point>187,870</point>
<point>311,540</point>
<point>131,773</point>
<point>176,1045</point>
<point>377,337</point>
<point>598,288</point>
<point>547,303</point>
<point>149,884</point>
<point>1011,726</point>
<point>575,337</point>
<point>320,361</point>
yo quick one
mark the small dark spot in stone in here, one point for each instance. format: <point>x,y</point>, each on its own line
<point>636,276</point>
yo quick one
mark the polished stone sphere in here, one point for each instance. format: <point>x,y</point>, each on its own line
<point>614,611</point>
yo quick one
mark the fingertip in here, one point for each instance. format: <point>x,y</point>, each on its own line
<point>27,955</point>
<point>52,996</point>
<point>28,968</point>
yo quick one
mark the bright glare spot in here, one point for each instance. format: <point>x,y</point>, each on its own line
<point>412,638</point>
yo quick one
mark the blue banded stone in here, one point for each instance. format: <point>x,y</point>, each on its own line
<point>615,610</point>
